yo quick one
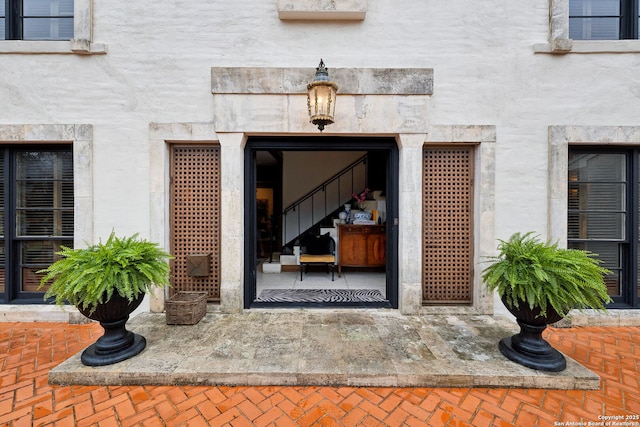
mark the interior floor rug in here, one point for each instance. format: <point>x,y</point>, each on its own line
<point>321,295</point>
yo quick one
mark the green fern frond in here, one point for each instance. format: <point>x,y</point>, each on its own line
<point>89,276</point>
<point>543,275</point>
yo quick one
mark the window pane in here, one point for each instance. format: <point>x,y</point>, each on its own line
<point>609,254</point>
<point>44,194</point>
<point>596,225</point>
<point>593,167</point>
<point>2,29</point>
<point>38,193</point>
<point>597,196</point>
<point>48,7</point>
<point>34,223</point>
<point>34,256</point>
<point>31,280</point>
<point>594,19</point>
<point>50,223</point>
<point>596,199</point>
<point>47,28</point>
<point>594,8</point>
<point>45,165</point>
<point>37,252</point>
<point>597,205</point>
<point>597,210</point>
<point>594,28</point>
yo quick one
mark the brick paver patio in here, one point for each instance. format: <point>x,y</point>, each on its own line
<point>29,350</point>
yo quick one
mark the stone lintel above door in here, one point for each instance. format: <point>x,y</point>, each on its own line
<point>351,81</point>
<point>370,100</point>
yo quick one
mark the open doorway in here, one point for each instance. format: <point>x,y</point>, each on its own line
<point>297,188</point>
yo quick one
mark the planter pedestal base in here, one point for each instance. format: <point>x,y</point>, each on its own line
<point>117,344</point>
<point>529,349</point>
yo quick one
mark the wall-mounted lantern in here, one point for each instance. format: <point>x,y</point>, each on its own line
<point>321,98</point>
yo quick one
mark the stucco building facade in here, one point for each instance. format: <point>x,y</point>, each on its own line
<point>497,89</point>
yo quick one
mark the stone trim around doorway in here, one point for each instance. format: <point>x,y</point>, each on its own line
<point>411,146</point>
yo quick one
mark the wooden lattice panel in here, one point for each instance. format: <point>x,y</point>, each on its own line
<point>448,249</point>
<point>195,216</point>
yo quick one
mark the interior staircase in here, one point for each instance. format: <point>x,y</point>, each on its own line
<point>317,210</point>
<point>289,262</point>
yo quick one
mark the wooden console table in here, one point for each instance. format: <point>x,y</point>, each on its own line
<point>361,246</point>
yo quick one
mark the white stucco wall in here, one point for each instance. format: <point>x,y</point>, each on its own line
<point>157,69</point>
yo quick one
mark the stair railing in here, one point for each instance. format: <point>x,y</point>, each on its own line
<point>323,200</point>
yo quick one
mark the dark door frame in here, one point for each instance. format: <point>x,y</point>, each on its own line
<point>320,143</point>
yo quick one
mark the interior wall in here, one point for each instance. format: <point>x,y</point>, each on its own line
<point>304,170</point>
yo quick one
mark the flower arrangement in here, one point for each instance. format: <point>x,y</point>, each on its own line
<point>361,197</point>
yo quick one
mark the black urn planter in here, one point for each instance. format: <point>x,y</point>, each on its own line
<point>117,343</point>
<point>528,348</point>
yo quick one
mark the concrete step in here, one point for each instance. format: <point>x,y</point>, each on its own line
<point>288,260</point>
<point>271,267</point>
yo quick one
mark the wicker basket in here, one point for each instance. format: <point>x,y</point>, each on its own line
<point>186,308</point>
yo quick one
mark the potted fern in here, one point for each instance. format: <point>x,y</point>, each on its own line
<point>107,282</point>
<point>539,283</point>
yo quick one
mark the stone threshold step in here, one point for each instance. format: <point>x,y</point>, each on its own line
<point>369,348</point>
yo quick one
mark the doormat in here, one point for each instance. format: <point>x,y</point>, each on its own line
<point>321,295</point>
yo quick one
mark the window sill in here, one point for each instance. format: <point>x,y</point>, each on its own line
<point>591,46</point>
<point>322,10</point>
<point>72,47</point>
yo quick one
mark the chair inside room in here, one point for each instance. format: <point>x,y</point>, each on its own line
<point>318,250</point>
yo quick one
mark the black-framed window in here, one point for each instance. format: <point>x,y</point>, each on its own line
<point>36,19</point>
<point>36,216</point>
<point>603,19</point>
<point>604,215</point>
